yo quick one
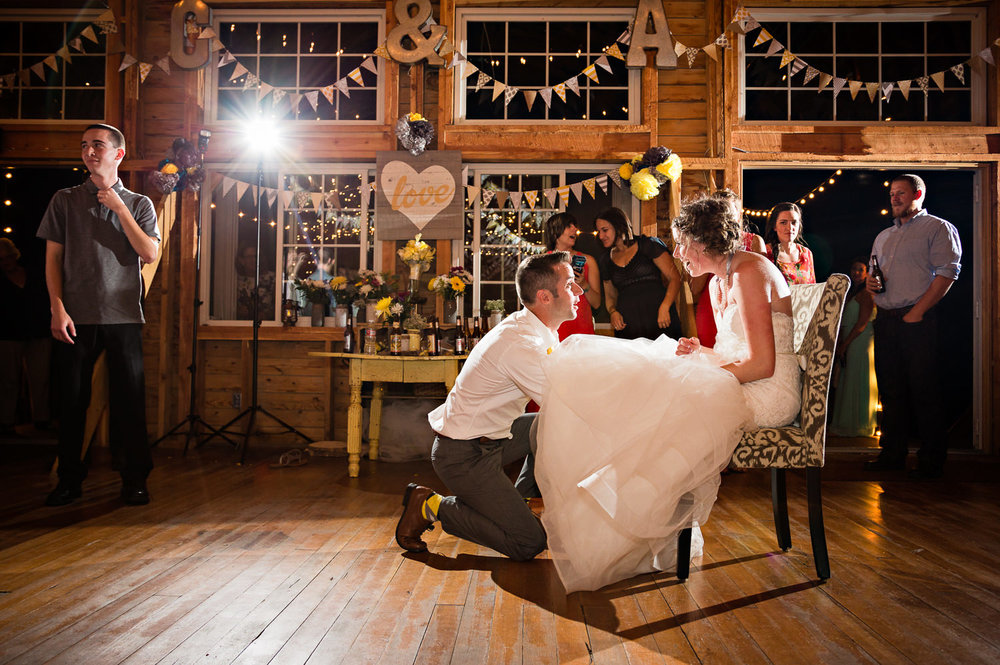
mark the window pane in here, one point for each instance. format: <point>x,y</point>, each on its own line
<point>856,68</point>
<point>761,72</point>
<point>609,104</point>
<point>487,36</point>
<point>316,72</point>
<point>319,38</point>
<point>900,109</point>
<point>526,37</point>
<point>766,105</point>
<point>41,104</point>
<point>811,38</point>
<point>949,37</point>
<point>86,70</point>
<point>812,105</point>
<point>358,37</point>
<point>279,38</point>
<point>278,71</point>
<point>902,37</point>
<point>857,37</point>
<point>570,37</point>
<point>83,104</point>
<point>45,37</point>
<point>857,109</point>
<point>526,70</point>
<point>956,105</point>
<point>902,68</point>
<point>362,105</point>
<point>240,38</point>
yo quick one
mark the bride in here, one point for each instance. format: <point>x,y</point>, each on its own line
<point>633,434</point>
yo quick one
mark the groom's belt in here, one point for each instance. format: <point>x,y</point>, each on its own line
<point>482,439</point>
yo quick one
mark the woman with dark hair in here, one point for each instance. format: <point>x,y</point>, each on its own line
<point>634,270</point>
<point>853,411</point>
<point>560,232</point>
<point>633,434</point>
<point>784,230</point>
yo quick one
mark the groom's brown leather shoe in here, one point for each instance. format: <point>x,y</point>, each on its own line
<point>411,523</point>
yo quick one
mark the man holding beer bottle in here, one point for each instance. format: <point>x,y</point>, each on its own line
<point>919,258</point>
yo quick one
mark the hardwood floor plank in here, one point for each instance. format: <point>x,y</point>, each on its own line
<point>438,645</point>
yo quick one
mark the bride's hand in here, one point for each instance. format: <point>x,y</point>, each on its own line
<point>688,345</point>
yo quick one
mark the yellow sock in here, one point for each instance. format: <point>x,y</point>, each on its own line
<point>430,507</point>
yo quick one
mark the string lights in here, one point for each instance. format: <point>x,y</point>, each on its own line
<point>805,199</point>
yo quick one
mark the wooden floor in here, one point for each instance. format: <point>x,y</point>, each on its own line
<point>249,564</point>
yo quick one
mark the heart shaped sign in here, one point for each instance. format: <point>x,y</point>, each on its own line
<point>418,196</point>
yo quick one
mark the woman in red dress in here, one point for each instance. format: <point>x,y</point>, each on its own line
<point>560,231</point>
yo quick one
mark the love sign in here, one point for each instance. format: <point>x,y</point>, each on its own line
<point>419,194</point>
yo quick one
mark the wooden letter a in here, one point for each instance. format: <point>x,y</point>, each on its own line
<point>658,40</point>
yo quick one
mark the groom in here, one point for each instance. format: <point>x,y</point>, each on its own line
<point>482,425</point>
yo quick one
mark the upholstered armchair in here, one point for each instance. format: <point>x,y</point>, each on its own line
<point>816,309</point>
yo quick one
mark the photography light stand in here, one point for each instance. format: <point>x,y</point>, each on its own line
<point>251,411</point>
<point>192,420</point>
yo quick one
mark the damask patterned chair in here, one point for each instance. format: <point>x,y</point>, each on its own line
<point>816,309</point>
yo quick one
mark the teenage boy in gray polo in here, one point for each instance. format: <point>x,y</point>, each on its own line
<point>96,235</point>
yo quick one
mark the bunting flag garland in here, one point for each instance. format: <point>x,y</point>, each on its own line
<point>786,58</point>
<point>872,89</point>
<point>923,83</point>
<point>617,179</point>
<point>591,73</point>
<point>616,52</point>
<point>591,185</point>
<point>487,197</point>
<point>573,85</point>
<point>546,94</point>
<point>498,88</point>
<point>855,87</point>
<point>560,89</point>
<point>838,85</point>
<point>986,55</point>
<point>144,69</point>
<point>508,94</point>
<point>959,72</point>
<point>887,91</point>
<point>603,62</point>
<point>577,189</point>
<point>763,37</point>
<point>482,80</point>
<point>774,47</point>
<point>811,73</point>
<point>904,88</point>
<point>531,197</point>
<point>552,196</point>
<point>529,97</point>
<point>824,80</point>
<point>938,78</point>
<point>602,182</point>
<point>691,54</point>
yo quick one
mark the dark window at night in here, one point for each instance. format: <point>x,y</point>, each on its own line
<point>535,53</point>
<point>867,52</point>
<point>74,90</point>
<point>295,58</point>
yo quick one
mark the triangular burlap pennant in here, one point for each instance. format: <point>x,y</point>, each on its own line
<point>563,195</point>
<point>603,63</point>
<point>508,94</point>
<point>904,88</point>
<point>472,193</point>
<point>382,52</point>
<point>207,33</point>
<point>293,100</point>
<point>711,51</point>
<point>591,72</point>
<point>498,88</point>
<point>591,186</point>
<point>342,88</point>
<point>263,90</point>
<point>53,64</point>
<point>76,43</point>
<point>64,54</point>
<point>751,24</point>
<point>251,81</point>
<point>824,80</point>
<point>938,78</point>
<point>774,47</point>
<point>515,200</point>
<point>88,33</point>
<point>355,75</point>
<point>923,82</point>
<point>332,199</point>
<point>529,97</point>
<point>602,182</point>
<point>762,37</point>
<point>679,48</point>
<point>855,87</point>
<point>615,177</point>
<point>560,89</point>
<point>369,64</point>
<point>959,72</point>
<point>241,189</point>
<point>487,197</point>
<point>786,57</point>
<point>987,55</point>
<point>164,63</point>
<point>531,197</point>
<point>446,48</point>
<point>577,189</point>
<point>482,80</point>
<point>456,58</point>
<point>887,91</point>
<point>217,45</point>
<point>838,85</point>
<point>238,71</point>
<point>24,75</point>
<point>313,98</point>
<point>615,52</point>
<point>327,91</point>
<point>552,196</point>
<point>316,198</point>
<point>811,73</point>
<point>277,94</point>
<point>741,14</point>
<point>546,94</point>
<point>144,69</point>
<point>127,62</point>
<point>573,84</point>
<point>722,41</point>
<point>226,58</point>
<point>691,54</point>
<point>286,197</point>
<point>625,37</point>
<point>272,195</point>
<point>872,89</point>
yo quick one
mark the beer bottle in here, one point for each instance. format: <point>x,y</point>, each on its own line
<point>877,275</point>
<point>396,340</point>
<point>476,333</point>
<point>461,341</point>
<point>350,341</point>
<point>433,335</point>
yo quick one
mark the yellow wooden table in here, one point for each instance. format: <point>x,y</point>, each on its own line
<point>381,370</point>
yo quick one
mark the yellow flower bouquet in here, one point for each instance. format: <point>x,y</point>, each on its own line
<point>646,174</point>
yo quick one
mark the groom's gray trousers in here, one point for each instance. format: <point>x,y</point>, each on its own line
<point>486,507</point>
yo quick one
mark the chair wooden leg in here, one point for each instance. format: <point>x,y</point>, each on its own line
<point>684,554</point>
<point>779,505</point>
<point>816,530</point>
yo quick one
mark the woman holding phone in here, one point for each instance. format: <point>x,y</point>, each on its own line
<point>560,231</point>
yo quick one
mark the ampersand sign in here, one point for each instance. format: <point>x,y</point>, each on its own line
<point>409,26</point>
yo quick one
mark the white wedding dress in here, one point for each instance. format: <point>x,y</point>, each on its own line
<point>632,439</point>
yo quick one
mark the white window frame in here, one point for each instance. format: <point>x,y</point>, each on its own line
<point>975,75</point>
<point>465,14</point>
<point>222,16</point>
<point>60,16</point>
<point>365,170</point>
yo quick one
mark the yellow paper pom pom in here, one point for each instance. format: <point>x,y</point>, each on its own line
<point>169,168</point>
<point>413,117</point>
<point>644,185</point>
<point>671,168</point>
<point>625,170</point>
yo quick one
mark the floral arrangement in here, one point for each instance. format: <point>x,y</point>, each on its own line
<point>396,307</point>
<point>452,284</point>
<point>343,292</point>
<point>494,305</point>
<point>647,173</point>
<point>313,290</point>
<point>418,255</point>
<point>182,169</point>
<point>371,285</point>
<point>414,132</point>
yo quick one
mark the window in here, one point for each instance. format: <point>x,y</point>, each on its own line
<point>74,90</point>
<point>881,46</point>
<point>498,239</point>
<point>532,50</point>
<point>298,55</point>
<point>325,229</point>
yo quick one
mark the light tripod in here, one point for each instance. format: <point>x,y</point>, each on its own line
<point>251,411</point>
<point>192,420</point>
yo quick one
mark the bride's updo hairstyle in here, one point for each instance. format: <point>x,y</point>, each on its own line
<point>711,222</point>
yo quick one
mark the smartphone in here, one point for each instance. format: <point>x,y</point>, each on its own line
<point>578,262</point>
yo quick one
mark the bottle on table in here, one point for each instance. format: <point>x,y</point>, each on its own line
<point>350,341</point>
<point>461,341</point>
<point>877,275</point>
<point>396,340</point>
<point>371,343</point>
<point>433,338</point>
<point>477,334</point>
